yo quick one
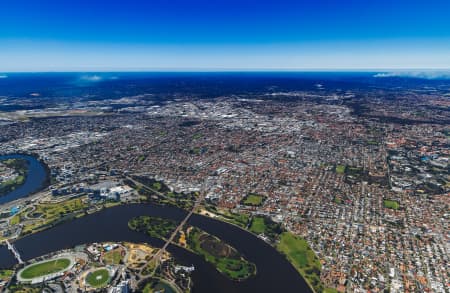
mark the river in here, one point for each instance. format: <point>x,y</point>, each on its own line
<point>274,272</point>
<point>37,175</point>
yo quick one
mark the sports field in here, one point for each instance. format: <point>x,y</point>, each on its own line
<point>253,200</point>
<point>258,226</point>
<point>98,278</point>
<point>391,204</point>
<point>45,268</point>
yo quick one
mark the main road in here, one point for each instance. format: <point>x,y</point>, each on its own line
<point>159,253</point>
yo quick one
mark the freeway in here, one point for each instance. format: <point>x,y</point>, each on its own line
<point>139,184</point>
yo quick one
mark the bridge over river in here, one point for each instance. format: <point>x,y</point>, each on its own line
<point>274,272</point>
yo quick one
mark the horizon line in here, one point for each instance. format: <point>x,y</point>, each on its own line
<point>218,70</point>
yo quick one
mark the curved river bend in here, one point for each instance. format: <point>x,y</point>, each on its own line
<point>35,180</point>
<point>274,272</point>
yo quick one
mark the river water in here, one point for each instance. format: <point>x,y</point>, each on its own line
<point>274,272</point>
<point>34,181</point>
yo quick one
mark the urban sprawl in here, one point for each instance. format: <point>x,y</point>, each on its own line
<point>363,178</point>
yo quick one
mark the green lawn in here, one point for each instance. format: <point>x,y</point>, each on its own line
<point>56,210</point>
<point>265,225</point>
<point>236,269</point>
<point>240,220</point>
<point>391,204</point>
<point>153,226</point>
<point>253,199</point>
<point>231,264</point>
<point>157,185</point>
<point>258,225</point>
<point>52,212</point>
<point>340,169</point>
<point>45,268</point>
<point>302,257</point>
<point>15,220</point>
<point>6,274</point>
<point>197,136</point>
<point>158,286</point>
<point>98,278</point>
<point>113,257</point>
<point>21,168</point>
<point>13,183</point>
<point>10,185</point>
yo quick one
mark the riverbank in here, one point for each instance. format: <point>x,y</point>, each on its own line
<point>20,174</point>
<point>225,258</point>
<point>294,248</point>
<point>274,273</point>
<point>37,178</point>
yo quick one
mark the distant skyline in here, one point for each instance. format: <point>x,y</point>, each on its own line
<point>51,35</point>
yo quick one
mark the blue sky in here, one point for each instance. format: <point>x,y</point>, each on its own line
<point>82,35</point>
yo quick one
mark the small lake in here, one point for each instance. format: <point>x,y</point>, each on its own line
<point>37,175</point>
<point>274,272</point>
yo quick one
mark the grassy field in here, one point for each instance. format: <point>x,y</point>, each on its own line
<point>98,278</point>
<point>337,200</point>
<point>157,186</point>
<point>225,258</point>
<point>235,269</point>
<point>197,136</point>
<point>391,204</point>
<point>13,183</point>
<point>264,225</point>
<point>45,268</point>
<point>113,257</point>
<point>158,286</point>
<point>15,220</point>
<point>302,257</point>
<point>253,200</point>
<point>21,168</point>
<point>55,210</point>
<point>6,274</point>
<point>240,220</point>
<point>258,226</point>
<point>51,212</point>
<point>340,169</point>
<point>153,226</point>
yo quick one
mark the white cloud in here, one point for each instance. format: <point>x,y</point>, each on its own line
<point>417,74</point>
<point>91,78</point>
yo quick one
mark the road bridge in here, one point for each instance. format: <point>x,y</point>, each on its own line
<point>14,251</point>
